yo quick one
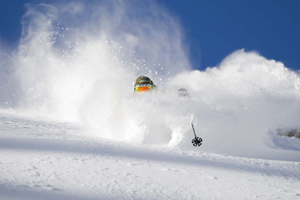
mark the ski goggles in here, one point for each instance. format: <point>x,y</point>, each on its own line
<point>142,88</point>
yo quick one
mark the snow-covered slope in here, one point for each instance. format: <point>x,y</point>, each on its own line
<point>56,160</point>
<point>72,128</point>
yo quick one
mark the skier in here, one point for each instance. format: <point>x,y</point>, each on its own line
<point>143,84</point>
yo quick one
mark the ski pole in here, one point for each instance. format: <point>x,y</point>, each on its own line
<point>196,141</point>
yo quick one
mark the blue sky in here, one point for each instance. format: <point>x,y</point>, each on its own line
<point>216,28</point>
<point>213,28</point>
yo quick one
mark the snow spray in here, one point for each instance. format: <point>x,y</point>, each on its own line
<point>77,62</point>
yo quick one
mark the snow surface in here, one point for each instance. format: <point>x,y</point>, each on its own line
<point>72,128</point>
<point>56,160</point>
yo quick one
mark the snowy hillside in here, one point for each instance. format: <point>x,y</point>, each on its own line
<point>71,126</point>
<point>53,160</point>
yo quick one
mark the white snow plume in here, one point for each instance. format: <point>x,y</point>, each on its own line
<point>78,62</point>
<point>239,105</point>
<point>71,54</point>
<point>236,108</point>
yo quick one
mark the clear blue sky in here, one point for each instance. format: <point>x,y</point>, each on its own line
<point>218,27</point>
<point>214,28</point>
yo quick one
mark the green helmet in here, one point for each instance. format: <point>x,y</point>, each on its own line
<point>144,80</point>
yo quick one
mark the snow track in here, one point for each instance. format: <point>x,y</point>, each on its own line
<point>55,160</point>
